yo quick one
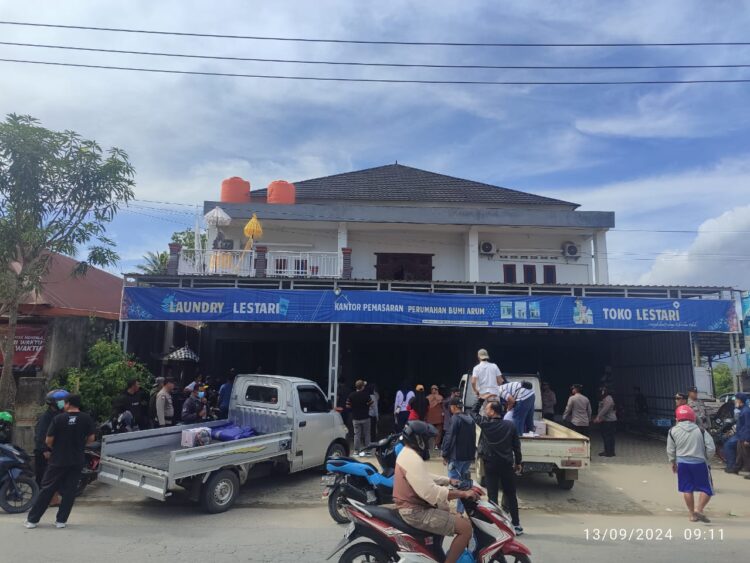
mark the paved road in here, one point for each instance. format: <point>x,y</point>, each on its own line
<point>170,533</point>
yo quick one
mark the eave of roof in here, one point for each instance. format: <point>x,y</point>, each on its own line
<point>513,217</point>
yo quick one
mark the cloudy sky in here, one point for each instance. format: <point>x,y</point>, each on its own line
<point>663,157</point>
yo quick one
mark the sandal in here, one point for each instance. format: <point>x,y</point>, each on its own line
<point>702,517</point>
<point>693,518</point>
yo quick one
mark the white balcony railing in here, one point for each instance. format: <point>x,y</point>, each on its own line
<point>243,263</point>
<point>303,264</point>
<point>216,262</point>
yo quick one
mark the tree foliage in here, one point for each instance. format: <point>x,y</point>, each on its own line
<point>722,379</point>
<point>58,192</point>
<point>154,263</point>
<point>187,239</point>
<point>103,376</point>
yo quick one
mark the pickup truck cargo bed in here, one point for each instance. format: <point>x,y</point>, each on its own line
<point>156,457</point>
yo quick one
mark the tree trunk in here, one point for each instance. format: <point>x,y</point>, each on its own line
<point>7,382</point>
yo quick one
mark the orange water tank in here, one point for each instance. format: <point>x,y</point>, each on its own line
<point>235,190</point>
<point>280,191</point>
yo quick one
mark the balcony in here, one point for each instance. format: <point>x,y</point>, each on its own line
<point>259,263</point>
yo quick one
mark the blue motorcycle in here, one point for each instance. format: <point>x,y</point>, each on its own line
<point>356,479</point>
<point>18,488</point>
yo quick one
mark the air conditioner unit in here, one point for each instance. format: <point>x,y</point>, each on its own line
<point>486,247</point>
<point>571,250</point>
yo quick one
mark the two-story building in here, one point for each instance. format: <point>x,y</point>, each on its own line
<point>394,273</point>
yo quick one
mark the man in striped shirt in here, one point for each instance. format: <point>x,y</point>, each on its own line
<point>520,397</point>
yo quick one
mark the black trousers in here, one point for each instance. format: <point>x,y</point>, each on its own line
<point>580,429</point>
<point>56,478</point>
<point>40,467</point>
<point>608,436</point>
<point>501,475</point>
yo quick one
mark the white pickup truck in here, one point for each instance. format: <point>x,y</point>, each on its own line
<point>296,428</point>
<point>561,451</point>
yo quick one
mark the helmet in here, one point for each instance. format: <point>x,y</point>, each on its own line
<point>417,434</point>
<point>5,416</point>
<point>684,412</point>
<point>56,395</point>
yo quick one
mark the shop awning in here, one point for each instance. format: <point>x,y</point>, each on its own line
<point>401,308</point>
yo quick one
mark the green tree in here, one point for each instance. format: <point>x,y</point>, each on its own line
<point>103,376</point>
<point>154,263</point>
<point>187,239</point>
<point>58,191</point>
<point>722,379</point>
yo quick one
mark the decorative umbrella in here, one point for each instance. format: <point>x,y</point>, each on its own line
<point>184,354</point>
<point>217,217</point>
<point>253,231</point>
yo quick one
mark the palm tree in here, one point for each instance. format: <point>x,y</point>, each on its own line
<point>155,263</point>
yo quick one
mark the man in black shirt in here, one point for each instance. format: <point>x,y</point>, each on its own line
<point>67,437</point>
<point>135,400</point>
<point>500,450</point>
<point>359,402</point>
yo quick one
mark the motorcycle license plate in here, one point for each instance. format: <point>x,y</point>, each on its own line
<point>328,480</point>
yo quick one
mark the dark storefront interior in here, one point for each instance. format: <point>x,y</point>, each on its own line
<point>660,363</point>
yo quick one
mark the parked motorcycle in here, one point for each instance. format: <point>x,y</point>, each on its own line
<point>90,472</point>
<point>18,488</point>
<point>378,534</point>
<point>359,480</point>
<point>722,427</point>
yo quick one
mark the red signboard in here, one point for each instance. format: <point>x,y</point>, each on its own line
<point>29,350</point>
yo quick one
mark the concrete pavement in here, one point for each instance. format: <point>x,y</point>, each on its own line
<point>283,519</point>
<point>168,533</point>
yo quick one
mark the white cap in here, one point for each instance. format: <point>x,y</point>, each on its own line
<point>483,355</point>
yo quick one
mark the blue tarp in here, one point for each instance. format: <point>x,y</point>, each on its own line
<point>403,308</point>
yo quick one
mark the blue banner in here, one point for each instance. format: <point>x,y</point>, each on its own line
<point>403,308</point>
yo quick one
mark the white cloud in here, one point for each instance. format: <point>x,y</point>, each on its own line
<point>719,255</point>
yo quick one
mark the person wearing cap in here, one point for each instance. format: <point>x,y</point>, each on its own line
<point>742,432</point>
<point>486,378</point>
<point>578,410</point>
<point>459,447</point>
<point>689,450</point>
<point>700,411</point>
<point>549,401</point>
<point>680,399</point>
<point>359,402</point>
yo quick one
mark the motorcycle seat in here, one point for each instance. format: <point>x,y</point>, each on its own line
<point>392,517</point>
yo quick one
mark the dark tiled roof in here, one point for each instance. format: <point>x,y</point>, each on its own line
<point>396,182</point>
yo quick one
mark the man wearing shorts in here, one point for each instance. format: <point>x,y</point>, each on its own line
<point>422,498</point>
<point>690,449</point>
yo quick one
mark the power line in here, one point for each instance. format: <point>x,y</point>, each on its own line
<point>382,80</point>
<point>375,42</point>
<point>374,64</point>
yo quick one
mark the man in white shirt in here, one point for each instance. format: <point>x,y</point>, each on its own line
<point>486,378</point>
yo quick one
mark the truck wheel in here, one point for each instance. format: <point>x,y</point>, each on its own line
<point>336,506</point>
<point>336,450</point>
<point>220,491</point>
<point>562,483</point>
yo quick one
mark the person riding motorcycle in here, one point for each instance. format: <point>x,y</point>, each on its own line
<point>422,498</point>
